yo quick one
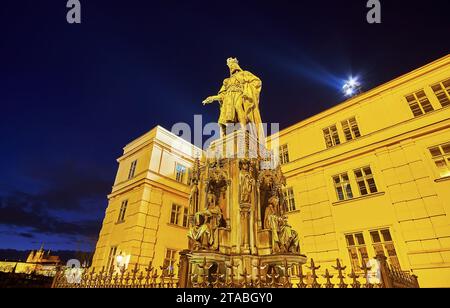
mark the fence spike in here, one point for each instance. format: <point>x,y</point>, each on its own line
<point>366,270</point>
<point>313,268</point>
<point>355,284</point>
<point>301,284</point>
<point>341,274</point>
<point>327,276</point>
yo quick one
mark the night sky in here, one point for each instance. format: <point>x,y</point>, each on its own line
<point>73,95</point>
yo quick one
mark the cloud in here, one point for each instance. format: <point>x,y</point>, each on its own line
<point>23,211</point>
<point>68,185</point>
<point>26,235</point>
<point>64,193</point>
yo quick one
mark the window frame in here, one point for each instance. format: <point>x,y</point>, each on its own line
<point>358,247</point>
<point>365,178</point>
<point>170,261</point>
<point>185,220</point>
<point>182,173</point>
<point>122,211</point>
<point>284,154</point>
<point>420,103</point>
<point>351,127</point>
<point>393,260</point>
<point>444,170</point>
<point>175,212</point>
<point>289,196</point>
<point>344,185</point>
<point>445,91</point>
<point>112,258</point>
<point>132,170</point>
<point>331,136</point>
<point>179,215</point>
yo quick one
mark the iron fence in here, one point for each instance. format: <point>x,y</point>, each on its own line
<point>149,277</point>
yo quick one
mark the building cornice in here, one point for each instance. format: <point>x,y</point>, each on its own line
<point>147,181</point>
<point>152,138</point>
<point>368,95</point>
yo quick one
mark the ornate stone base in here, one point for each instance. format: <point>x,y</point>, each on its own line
<point>207,267</point>
<point>237,221</point>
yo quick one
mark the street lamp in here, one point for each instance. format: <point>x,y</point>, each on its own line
<point>119,260</point>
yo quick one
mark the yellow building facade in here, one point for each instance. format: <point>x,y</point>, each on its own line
<point>368,176</point>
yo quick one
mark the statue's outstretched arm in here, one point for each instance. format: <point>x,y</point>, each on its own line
<point>212,99</point>
<point>215,98</point>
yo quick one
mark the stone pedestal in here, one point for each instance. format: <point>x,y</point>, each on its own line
<point>236,186</point>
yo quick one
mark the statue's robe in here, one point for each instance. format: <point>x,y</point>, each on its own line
<point>289,238</point>
<point>205,229</point>
<point>271,221</point>
<point>240,101</point>
<point>246,187</point>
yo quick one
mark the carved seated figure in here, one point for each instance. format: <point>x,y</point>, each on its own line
<point>203,232</point>
<point>284,238</point>
<point>288,237</point>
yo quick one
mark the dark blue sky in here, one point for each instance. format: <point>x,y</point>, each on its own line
<point>73,95</point>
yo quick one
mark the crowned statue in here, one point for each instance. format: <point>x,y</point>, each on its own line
<point>239,100</point>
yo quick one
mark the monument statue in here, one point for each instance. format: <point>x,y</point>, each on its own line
<point>237,204</point>
<point>239,100</point>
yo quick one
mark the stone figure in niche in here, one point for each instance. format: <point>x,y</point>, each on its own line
<point>193,196</point>
<point>288,237</point>
<point>203,234</point>
<point>246,181</point>
<point>284,238</point>
<point>271,221</point>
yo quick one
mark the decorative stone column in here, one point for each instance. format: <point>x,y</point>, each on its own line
<point>245,228</point>
<point>184,270</point>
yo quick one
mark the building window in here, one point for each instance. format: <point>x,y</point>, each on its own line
<point>175,214</point>
<point>190,176</point>
<point>383,244</point>
<point>284,154</point>
<point>123,210</point>
<point>331,136</point>
<point>442,91</point>
<point>185,217</point>
<point>169,262</point>
<point>132,170</point>
<point>441,157</point>
<point>180,172</point>
<point>357,250</point>
<point>365,181</point>
<point>419,103</point>
<point>342,187</point>
<point>351,129</point>
<point>112,258</point>
<point>179,215</point>
<point>290,199</point>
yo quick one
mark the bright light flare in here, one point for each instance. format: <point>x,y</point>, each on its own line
<point>351,87</point>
